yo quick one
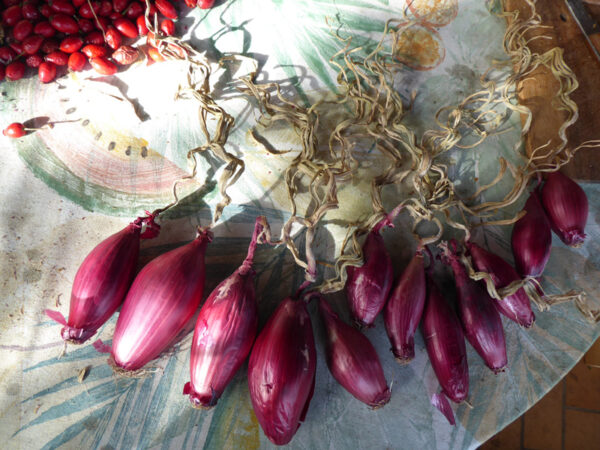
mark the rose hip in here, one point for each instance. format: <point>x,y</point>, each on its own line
<point>205,4</point>
<point>14,130</point>
<point>15,70</point>
<point>125,55</point>
<point>44,29</point>
<point>86,25</point>
<point>166,9</point>
<point>30,11</point>
<point>62,6</point>
<point>135,10</point>
<point>86,12</point>
<point>7,55</point>
<point>105,8</point>
<point>141,25</point>
<point>94,51</point>
<point>47,72</point>
<point>78,3</point>
<point>94,37</point>
<point>76,61</point>
<point>32,44</point>
<point>126,28</point>
<point>12,15</point>
<point>103,66</point>
<point>113,38</point>
<point>71,44</point>
<point>119,5</point>
<point>45,10</point>
<point>49,45</point>
<point>57,57</point>
<point>191,3</point>
<point>167,26</point>
<point>34,60</point>
<point>65,24</point>
<point>22,29</point>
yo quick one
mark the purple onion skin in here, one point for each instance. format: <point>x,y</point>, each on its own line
<point>516,307</point>
<point>281,371</point>
<point>445,344</point>
<point>531,239</point>
<point>479,317</point>
<point>353,360</point>
<point>101,283</point>
<point>368,286</point>
<point>566,206</point>
<point>163,298</point>
<point>224,334</point>
<point>404,309</point>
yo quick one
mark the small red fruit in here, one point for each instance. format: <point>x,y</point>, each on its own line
<point>12,15</point>
<point>103,66</point>
<point>71,44</point>
<point>141,25</point>
<point>7,55</point>
<point>15,70</point>
<point>44,29</point>
<point>94,51</point>
<point>94,37</point>
<point>47,72</point>
<point>135,10</point>
<point>32,44</point>
<point>166,9</point>
<point>30,11</point>
<point>62,6</point>
<point>126,28</point>
<point>57,57</point>
<point>76,61</point>
<point>65,24</point>
<point>167,26</point>
<point>205,4</point>
<point>14,130</point>
<point>113,38</point>
<point>22,29</point>
<point>34,60</point>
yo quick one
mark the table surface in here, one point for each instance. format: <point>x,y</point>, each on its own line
<point>66,189</point>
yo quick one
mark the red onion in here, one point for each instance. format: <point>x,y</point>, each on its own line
<point>353,361</point>
<point>480,319</point>
<point>445,344</point>
<point>404,309</point>
<point>281,371</point>
<point>516,306</point>
<point>531,239</point>
<point>163,298</point>
<point>368,286</point>
<point>567,208</point>
<point>224,334</point>
<point>102,281</point>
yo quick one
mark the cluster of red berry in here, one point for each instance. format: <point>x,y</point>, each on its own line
<point>50,35</point>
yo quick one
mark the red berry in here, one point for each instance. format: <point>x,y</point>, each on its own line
<point>22,29</point>
<point>32,44</point>
<point>8,3</point>
<point>119,5</point>
<point>86,25</point>
<point>65,24</point>
<point>103,66</point>
<point>44,29</point>
<point>102,23</point>
<point>77,61</point>
<point>113,38</point>
<point>7,54</point>
<point>166,8</point>
<point>78,3</point>
<point>205,4</point>
<point>125,55</point>
<point>12,15</point>
<point>49,45</point>
<point>141,25</point>
<point>62,6</point>
<point>126,28</point>
<point>34,60</point>
<point>94,51</point>
<point>94,37</point>
<point>86,12</point>
<point>135,10</point>
<point>190,3</point>
<point>47,72</point>
<point>14,130</point>
<point>167,26</point>
<point>31,12</point>
<point>57,57</point>
<point>105,8</point>
<point>71,44</point>
<point>45,10</point>
<point>17,47</point>
<point>15,70</point>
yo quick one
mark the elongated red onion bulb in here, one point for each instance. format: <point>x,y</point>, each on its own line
<point>531,239</point>
<point>102,281</point>
<point>517,306</point>
<point>353,360</point>
<point>445,344</point>
<point>567,207</point>
<point>281,371</point>
<point>404,309</point>
<point>479,317</point>
<point>224,333</point>
<point>368,286</point>
<point>163,298</point>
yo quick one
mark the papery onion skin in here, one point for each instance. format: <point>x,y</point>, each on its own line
<point>162,299</point>
<point>353,361</point>
<point>224,334</point>
<point>517,306</point>
<point>531,239</point>
<point>567,208</point>
<point>281,371</point>
<point>479,317</point>
<point>102,281</point>
<point>404,309</point>
<point>445,344</point>
<point>368,286</point>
